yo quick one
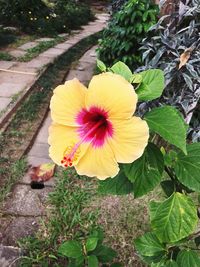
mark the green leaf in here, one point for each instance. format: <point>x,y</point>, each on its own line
<point>152,85</point>
<point>146,172</point>
<point>148,245</point>
<point>188,258</point>
<point>123,70</point>
<point>71,249</point>
<point>156,261</point>
<point>168,123</point>
<point>136,78</point>
<point>174,218</point>
<point>168,187</point>
<point>91,243</point>
<point>119,185</point>
<point>170,263</point>
<point>104,253</point>
<point>153,206</point>
<point>187,167</point>
<point>92,261</point>
<point>79,262</point>
<point>170,158</point>
<point>101,65</point>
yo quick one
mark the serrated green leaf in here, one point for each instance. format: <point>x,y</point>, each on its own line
<point>170,263</point>
<point>153,206</point>
<point>188,258</point>
<point>168,123</point>
<point>136,78</point>
<point>119,185</point>
<point>174,218</point>
<point>152,85</point>
<point>102,67</point>
<point>156,260</point>
<point>92,261</point>
<point>146,172</point>
<point>91,243</point>
<point>71,249</point>
<point>123,70</point>
<point>148,245</point>
<point>187,167</point>
<point>104,253</point>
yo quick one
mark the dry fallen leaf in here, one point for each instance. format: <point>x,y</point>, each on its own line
<point>43,172</point>
<point>184,57</point>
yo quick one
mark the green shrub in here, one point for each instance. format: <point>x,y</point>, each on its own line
<point>71,14</point>
<point>25,14</point>
<point>174,47</point>
<point>34,16</point>
<point>121,40</point>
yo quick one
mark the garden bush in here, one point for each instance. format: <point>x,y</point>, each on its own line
<point>35,16</point>
<point>121,40</point>
<point>117,4</point>
<point>174,48</point>
<point>71,14</point>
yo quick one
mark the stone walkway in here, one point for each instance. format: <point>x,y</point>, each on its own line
<point>26,206</point>
<point>16,78</point>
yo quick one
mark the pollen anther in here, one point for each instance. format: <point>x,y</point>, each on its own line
<point>71,154</point>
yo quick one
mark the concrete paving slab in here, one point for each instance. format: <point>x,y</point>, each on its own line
<point>10,89</point>
<point>52,52</point>
<point>63,46</point>
<point>24,67</point>
<point>20,227</point>
<point>44,39</point>
<point>89,56</point>
<point>28,45</point>
<point>6,64</point>
<point>39,62</point>
<point>4,102</point>
<point>43,134</point>
<point>16,78</point>
<point>63,34</point>
<point>40,150</point>
<point>26,201</point>
<point>9,256</point>
<point>17,53</point>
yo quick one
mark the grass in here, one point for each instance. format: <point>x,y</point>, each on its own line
<point>25,121</point>
<point>5,56</point>
<point>41,47</point>
<point>13,171</point>
<point>67,219</point>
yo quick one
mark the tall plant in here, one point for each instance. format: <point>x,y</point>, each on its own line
<point>121,40</point>
<point>174,239</point>
<point>174,46</point>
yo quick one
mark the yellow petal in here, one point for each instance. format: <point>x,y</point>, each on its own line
<point>67,101</point>
<point>98,162</point>
<point>113,93</point>
<point>129,139</point>
<point>62,137</point>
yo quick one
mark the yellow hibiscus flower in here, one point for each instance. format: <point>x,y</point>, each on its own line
<point>93,129</point>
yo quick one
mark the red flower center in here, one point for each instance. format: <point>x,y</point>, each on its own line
<point>94,126</point>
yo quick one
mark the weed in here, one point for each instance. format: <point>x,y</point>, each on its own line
<point>5,56</point>
<point>41,47</point>
<point>68,219</point>
<point>13,171</point>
